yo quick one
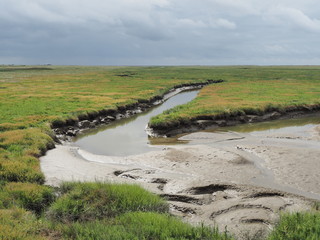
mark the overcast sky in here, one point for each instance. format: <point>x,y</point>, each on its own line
<point>160,32</point>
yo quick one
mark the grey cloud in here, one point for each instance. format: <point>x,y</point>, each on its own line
<point>159,32</point>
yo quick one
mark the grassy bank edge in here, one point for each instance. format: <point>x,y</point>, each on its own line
<point>168,124</point>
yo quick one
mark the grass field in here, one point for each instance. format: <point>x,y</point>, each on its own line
<point>250,90</point>
<point>32,97</point>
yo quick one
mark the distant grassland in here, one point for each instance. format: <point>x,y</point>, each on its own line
<point>32,97</point>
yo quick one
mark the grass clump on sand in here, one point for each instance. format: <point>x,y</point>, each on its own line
<point>142,226</point>
<point>30,196</point>
<point>92,211</point>
<point>19,152</point>
<point>296,226</point>
<point>119,211</point>
<point>89,201</point>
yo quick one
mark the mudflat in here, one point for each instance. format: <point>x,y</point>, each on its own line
<point>238,180</point>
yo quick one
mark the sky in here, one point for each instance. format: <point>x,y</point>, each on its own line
<point>160,32</point>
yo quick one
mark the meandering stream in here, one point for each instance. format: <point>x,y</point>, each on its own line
<point>128,136</point>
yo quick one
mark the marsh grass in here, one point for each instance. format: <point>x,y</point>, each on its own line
<point>142,226</point>
<point>296,226</point>
<point>32,97</point>
<point>253,91</point>
<point>18,224</point>
<point>19,152</point>
<point>89,201</point>
<point>30,196</point>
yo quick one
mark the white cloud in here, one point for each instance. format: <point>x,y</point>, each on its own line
<point>293,17</point>
<point>225,23</point>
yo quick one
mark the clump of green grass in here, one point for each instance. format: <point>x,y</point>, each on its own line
<point>297,226</point>
<point>30,196</point>
<point>316,206</point>
<point>20,169</point>
<point>32,142</point>
<point>142,226</point>
<point>18,224</point>
<point>19,150</point>
<point>89,201</point>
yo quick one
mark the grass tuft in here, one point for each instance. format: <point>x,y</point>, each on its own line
<point>30,196</point>
<point>298,226</point>
<point>142,226</point>
<point>18,224</point>
<point>88,201</point>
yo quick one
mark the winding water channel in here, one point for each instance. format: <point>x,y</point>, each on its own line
<point>128,136</point>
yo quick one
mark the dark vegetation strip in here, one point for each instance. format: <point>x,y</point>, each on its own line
<point>25,69</point>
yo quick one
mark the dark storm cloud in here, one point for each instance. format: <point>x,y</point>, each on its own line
<point>159,32</point>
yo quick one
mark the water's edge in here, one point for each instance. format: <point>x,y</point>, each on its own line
<point>127,136</point>
<point>213,122</point>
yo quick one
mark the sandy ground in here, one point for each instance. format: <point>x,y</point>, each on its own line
<point>241,181</point>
